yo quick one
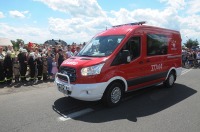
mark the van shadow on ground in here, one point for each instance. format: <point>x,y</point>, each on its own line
<point>149,101</point>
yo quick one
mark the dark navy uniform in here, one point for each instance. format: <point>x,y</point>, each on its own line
<point>39,67</point>
<point>2,75</point>
<point>32,64</point>
<point>8,67</point>
<point>23,66</point>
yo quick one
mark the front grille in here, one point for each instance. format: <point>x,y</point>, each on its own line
<point>71,72</point>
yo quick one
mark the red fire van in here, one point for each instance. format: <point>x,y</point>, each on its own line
<point>120,59</point>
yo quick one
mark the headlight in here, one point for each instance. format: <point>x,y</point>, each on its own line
<point>92,70</point>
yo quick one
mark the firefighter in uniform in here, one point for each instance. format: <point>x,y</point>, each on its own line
<point>19,56</point>
<point>2,75</point>
<point>8,67</point>
<point>39,67</point>
<point>16,70</point>
<point>23,65</point>
<point>32,63</point>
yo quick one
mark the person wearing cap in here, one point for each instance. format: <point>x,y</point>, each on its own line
<point>2,75</point>
<point>23,65</point>
<point>8,67</point>
<point>16,70</point>
<point>39,67</point>
<point>32,67</point>
<point>44,71</point>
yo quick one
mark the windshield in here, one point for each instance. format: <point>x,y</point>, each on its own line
<point>101,46</point>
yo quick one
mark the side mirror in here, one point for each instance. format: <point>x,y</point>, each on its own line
<point>126,58</point>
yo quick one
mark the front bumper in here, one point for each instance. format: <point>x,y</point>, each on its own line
<point>86,92</point>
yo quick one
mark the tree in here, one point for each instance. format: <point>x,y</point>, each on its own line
<point>191,43</point>
<point>17,43</point>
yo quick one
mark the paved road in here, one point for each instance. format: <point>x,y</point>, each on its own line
<point>41,108</point>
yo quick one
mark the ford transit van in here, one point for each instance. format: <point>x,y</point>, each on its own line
<point>123,58</point>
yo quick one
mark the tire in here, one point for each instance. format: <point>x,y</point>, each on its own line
<point>113,94</point>
<point>170,80</point>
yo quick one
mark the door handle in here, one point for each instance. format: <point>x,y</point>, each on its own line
<point>148,60</point>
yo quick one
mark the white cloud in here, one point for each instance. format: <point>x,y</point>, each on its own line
<point>76,29</point>
<point>26,33</point>
<point>194,6</point>
<point>165,18</point>
<point>190,27</point>
<point>1,15</point>
<point>177,4</point>
<point>87,18</point>
<point>18,14</point>
<point>76,8</point>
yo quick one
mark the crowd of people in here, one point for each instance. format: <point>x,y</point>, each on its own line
<point>38,62</point>
<point>191,58</point>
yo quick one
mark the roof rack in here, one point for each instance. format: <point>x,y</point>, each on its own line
<point>135,23</point>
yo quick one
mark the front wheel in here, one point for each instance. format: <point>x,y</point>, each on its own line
<point>113,94</point>
<point>170,80</point>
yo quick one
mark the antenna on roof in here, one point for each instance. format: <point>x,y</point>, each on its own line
<point>135,23</point>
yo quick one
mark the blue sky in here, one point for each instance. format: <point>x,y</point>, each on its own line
<point>79,20</point>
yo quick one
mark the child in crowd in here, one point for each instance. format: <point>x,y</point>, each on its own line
<point>16,70</point>
<point>54,68</point>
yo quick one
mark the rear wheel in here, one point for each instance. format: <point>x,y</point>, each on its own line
<point>113,94</point>
<point>170,80</point>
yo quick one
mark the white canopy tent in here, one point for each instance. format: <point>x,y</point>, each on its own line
<point>5,42</point>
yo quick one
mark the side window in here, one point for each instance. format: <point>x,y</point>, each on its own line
<point>134,47</point>
<point>157,44</point>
